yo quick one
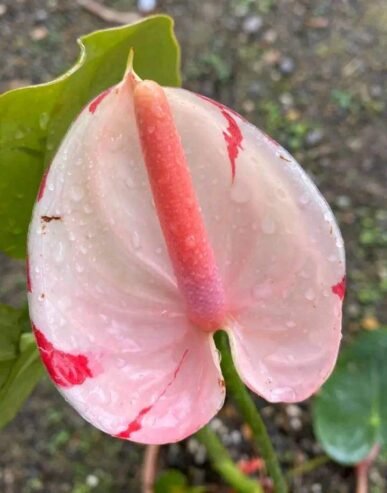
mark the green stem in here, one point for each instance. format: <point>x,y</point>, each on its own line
<point>223,464</point>
<point>308,466</point>
<point>250,413</point>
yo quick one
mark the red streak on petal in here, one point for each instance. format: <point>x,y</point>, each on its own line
<point>233,135</point>
<point>136,424</point>
<point>42,185</point>
<point>28,276</point>
<point>339,288</point>
<point>65,369</point>
<point>96,101</point>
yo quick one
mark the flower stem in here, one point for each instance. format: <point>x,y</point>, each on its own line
<point>223,464</point>
<point>362,469</point>
<point>149,468</point>
<point>250,413</point>
<point>308,466</point>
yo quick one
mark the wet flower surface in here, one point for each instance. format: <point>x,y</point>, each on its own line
<point>136,259</point>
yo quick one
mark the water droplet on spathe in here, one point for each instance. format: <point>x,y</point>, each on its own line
<point>339,243</point>
<point>76,193</point>
<point>304,199</point>
<point>64,302</point>
<point>240,193</point>
<point>310,294</point>
<point>306,272</point>
<point>290,324</point>
<point>87,209</point>
<point>282,394</point>
<point>268,226</point>
<point>262,291</point>
<point>116,142</point>
<point>136,241</point>
<point>129,182</point>
<point>281,194</point>
<point>59,253</point>
<point>121,362</point>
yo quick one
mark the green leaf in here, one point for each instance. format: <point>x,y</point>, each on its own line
<point>33,120</point>
<point>350,413</point>
<point>23,375</point>
<point>5,368</point>
<point>9,333</point>
<point>174,481</point>
<point>20,366</point>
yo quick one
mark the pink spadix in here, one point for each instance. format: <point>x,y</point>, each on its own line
<point>164,217</point>
<point>178,209</point>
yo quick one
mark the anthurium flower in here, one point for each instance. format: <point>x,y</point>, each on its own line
<point>164,217</point>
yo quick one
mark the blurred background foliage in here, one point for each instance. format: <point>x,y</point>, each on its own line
<point>313,75</point>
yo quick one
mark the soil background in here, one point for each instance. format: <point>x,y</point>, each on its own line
<point>314,76</point>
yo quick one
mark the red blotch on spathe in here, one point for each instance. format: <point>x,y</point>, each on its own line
<point>42,185</point>
<point>233,135</point>
<point>28,275</point>
<point>65,369</point>
<point>339,288</point>
<point>96,101</point>
<point>136,424</point>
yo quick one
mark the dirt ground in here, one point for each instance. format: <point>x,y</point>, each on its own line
<point>314,76</point>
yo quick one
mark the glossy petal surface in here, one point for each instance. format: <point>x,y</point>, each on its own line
<point>103,292</point>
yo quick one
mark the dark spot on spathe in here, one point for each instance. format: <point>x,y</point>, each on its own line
<point>221,383</point>
<point>284,158</point>
<point>48,219</point>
